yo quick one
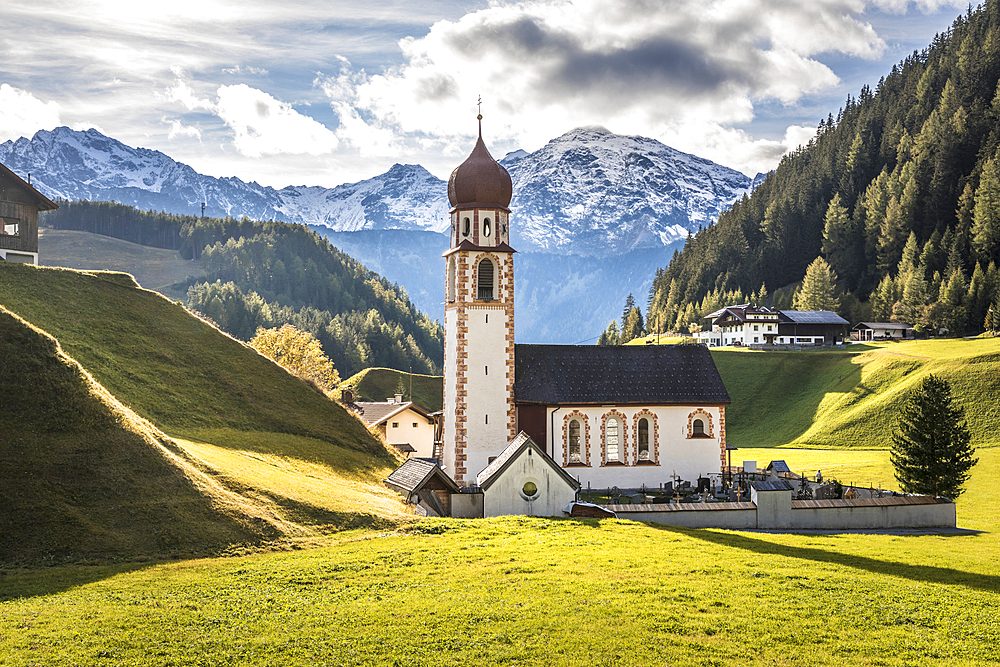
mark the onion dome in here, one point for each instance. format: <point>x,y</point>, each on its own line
<point>480,181</point>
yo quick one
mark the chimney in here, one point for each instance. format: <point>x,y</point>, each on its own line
<point>399,399</point>
<point>346,395</point>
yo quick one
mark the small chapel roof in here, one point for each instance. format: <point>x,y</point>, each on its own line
<point>480,181</point>
<point>597,374</point>
<point>414,474</point>
<point>521,442</point>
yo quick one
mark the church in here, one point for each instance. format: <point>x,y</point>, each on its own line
<point>608,416</point>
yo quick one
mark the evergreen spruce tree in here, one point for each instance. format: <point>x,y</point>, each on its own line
<point>986,213</point>
<point>931,450</point>
<point>819,287</point>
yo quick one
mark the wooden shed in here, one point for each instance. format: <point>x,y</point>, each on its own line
<point>20,204</point>
<point>424,484</point>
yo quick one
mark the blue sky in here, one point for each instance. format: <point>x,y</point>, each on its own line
<point>322,93</point>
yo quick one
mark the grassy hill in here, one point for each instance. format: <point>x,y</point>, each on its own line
<point>267,441</point>
<point>154,268</point>
<point>851,399</point>
<point>86,476</point>
<point>376,384</point>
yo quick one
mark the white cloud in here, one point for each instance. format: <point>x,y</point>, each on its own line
<point>22,114</point>
<point>239,70</point>
<point>179,129</point>
<point>925,6</point>
<point>263,125</point>
<point>635,66</point>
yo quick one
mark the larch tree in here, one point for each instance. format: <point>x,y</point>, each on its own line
<point>298,352</point>
<point>819,288</point>
<point>931,451</point>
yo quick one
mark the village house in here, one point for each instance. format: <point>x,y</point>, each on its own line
<point>869,331</point>
<point>404,425</point>
<point>745,324</point>
<point>20,204</point>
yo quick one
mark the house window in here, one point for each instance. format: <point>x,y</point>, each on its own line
<point>755,339</point>
<point>611,444</point>
<point>485,282</point>
<point>529,490</point>
<point>574,441</point>
<point>756,327</point>
<point>414,424</point>
<point>768,327</point>
<point>486,227</point>
<point>466,227</point>
<point>11,227</point>
<point>644,439</point>
<point>698,429</point>
<point>395,424</point>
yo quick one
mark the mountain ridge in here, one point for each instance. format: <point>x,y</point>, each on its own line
<point>588,192</point>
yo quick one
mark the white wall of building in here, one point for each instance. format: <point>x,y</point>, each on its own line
<point>506,497</point>
<point>487,386</point>
<point>672,451</point>
<point>412,428</point>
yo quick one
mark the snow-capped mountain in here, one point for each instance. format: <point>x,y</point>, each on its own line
<point>592,192</point>
<point>588,192</point>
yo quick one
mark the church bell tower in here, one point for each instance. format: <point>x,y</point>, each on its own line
<point>478,318</point>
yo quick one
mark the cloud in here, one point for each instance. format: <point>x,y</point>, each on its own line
<point>238,70</point>
<point>179,129</point>
<point>635,66</point>
<point>925,6</point>
<point>263,125</point>
<point>22,114</point>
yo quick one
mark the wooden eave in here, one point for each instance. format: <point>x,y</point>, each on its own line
<point>44,203</point>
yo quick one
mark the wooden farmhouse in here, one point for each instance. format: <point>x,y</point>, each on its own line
<point>20,204</point>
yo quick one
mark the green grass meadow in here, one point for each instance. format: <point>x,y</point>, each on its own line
<point>377,384</point>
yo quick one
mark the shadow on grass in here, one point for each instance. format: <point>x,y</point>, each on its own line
<point>925,573</point>
<point>27,583</point>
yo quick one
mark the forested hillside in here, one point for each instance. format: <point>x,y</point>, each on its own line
<point>899,194</point>
<point>265,274</point>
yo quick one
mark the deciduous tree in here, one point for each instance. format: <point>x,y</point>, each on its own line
<point>298,352</point>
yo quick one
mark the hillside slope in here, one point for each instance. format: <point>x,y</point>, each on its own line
<point>851,399</point>
<point>171,368</point>
<point>376,384</point>
<point>84,476</point>
<point>157,269</point>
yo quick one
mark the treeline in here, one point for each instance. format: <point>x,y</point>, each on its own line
<point>899,194</point>
<point>266,274</point>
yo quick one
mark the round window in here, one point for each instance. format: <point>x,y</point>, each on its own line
<point>530,490</point>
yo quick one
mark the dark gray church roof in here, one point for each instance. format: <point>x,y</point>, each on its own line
<point>595,374</point>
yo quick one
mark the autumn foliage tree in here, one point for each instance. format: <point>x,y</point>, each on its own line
<point>299,352</point>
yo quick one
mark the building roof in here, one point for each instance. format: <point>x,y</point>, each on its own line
<point>813,317</point>
<point>780,485</point>
<point>376,413</point>
<point>43,202</point>
<point>469,245</point>
<point>521,442</point>
<point>480,181</point>
<point>894,326</point>
<point>778,466</point>
<point>617,374</point>
<point>414,473</point>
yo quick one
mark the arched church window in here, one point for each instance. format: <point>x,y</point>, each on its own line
<point>574,441</point>
<point>611,444</point>
<point>485,281</point>
<point>486,227</point>
<point>698,429</point>
<point>451,279</point>
<point>643,439</point>
<point>466,227</point>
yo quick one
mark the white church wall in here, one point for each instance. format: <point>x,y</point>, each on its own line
<point>486,383</point>
<point>672,450</point>
<point>506,495</point>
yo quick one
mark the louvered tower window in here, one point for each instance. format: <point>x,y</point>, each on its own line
<point>485,281</point>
